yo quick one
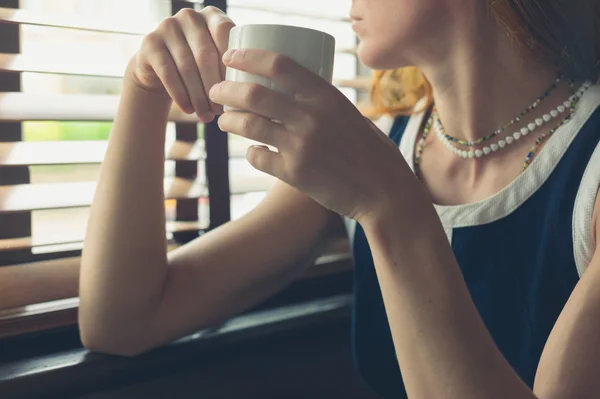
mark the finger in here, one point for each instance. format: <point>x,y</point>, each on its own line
<point>205,53</point>
<point>265,160</point>
<point>285,72</point>
<point>219,25</point>
<point>254,127</point>
<point>186,64</point>
<point>257,99</point>
<point>167,72</point>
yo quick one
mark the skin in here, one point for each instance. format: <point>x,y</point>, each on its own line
<point>134,296</point>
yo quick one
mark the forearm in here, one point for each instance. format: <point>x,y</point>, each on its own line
<point>124,260</point>
<point>442,345</point>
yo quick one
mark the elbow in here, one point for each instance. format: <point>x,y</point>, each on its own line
<point>110,348</point>
<point>112,345</point>
<point>117,341</point>
<point>108,332</point>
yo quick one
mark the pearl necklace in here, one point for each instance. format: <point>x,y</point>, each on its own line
<point>534,148</point>
<point>504,143</point>
<point>515,120</point>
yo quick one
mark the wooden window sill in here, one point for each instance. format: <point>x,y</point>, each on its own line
<point>42,295</point>
<point>71,370</point>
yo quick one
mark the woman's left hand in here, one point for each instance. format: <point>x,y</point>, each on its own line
<point>327,149</point>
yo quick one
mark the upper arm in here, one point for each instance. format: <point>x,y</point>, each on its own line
<point>236,265</point>
<point>569,364</point>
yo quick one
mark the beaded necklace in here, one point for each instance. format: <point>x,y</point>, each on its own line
<point>511,138</point>
<point>566,119</point>
<point>515,120</point>
<point>571,104</point>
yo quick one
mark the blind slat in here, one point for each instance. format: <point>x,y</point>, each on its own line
<point>38,282</point>
<point>351,51</point>
<point>42,317</point>
<point>238,148</point>
<point>20,16</point>
<point>288,11</point>
<point>16,107</point>
<point>82,152</point>
<point>58,65</point>
<point>92,152</point>
<point>26,243</point>
<point>83,67</point>
<point>362,83</point>
<point>27,197</point>
<point>250,183</point>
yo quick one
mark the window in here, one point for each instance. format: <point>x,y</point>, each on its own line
<point>61,62</point>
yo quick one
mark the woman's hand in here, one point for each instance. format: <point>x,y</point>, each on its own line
<point>327,149</point>
<point>182,58</point>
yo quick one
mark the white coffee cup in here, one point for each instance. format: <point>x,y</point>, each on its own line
<point>310,48</point>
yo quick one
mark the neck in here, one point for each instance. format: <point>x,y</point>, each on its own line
<point>480,85</point>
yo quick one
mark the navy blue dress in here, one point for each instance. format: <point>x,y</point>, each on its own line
<point>521,251</point>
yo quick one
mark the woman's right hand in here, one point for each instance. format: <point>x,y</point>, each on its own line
<point>182,58</point>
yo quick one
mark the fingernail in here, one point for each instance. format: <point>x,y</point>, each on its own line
<point>207,117</point>
<point>228,56</point>
<point>213,90</point>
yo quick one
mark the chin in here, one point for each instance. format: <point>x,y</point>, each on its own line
<point>379,58</point>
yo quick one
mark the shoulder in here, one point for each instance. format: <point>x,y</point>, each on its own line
<point>579,169</point>
<point>592,178</point>
<point>595,229</point>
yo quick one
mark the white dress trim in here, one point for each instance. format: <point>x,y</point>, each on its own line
<point>385,124</point>
<point>350,228</point>
<point>409,137</point>
<point>507,200</point>
<point>583,242</point>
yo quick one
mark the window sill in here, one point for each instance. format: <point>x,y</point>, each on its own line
<point>75,371</point>
<point>53,304</point>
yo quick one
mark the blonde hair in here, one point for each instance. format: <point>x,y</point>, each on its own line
<point>396,92</point>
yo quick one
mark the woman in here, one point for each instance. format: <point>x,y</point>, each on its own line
<point>493,292</point>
